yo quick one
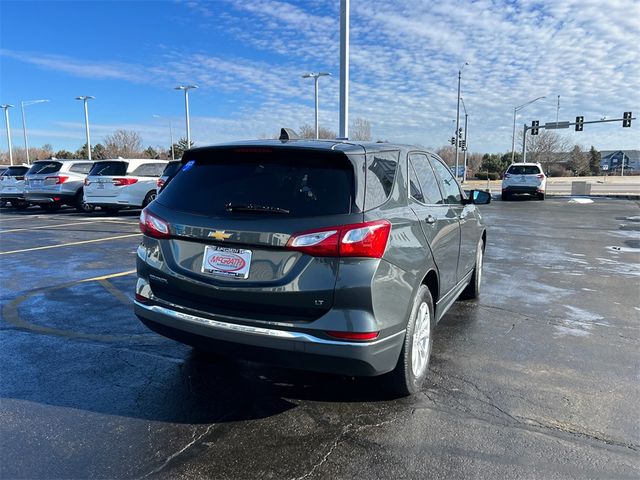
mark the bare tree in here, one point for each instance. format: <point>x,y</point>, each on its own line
<point>547,148</point>
<point>307,131</point>
<point>123,143</point>
<point>360,130</point>
<point>448,154</point>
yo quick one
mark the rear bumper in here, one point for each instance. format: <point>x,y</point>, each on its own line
<point>523,189</point>
<point>286,348</point>
<point>11,196</point>
<point>49,197</point>
<point>121,201</point>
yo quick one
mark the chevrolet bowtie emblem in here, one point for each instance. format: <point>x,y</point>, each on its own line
<point>219,235</point>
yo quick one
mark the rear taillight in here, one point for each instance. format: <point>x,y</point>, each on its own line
<point>121,182</point>
<point>540,175</point>
<point>159,183</point>
<point>506,175</point>
<point>153,226</point>
<point>57,180</point>
<point>86,182</point>
<point>361,336</point>
<point>19,178</point>
<point>368,239</point>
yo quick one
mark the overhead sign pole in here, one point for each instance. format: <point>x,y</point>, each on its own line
<point>344,70</point>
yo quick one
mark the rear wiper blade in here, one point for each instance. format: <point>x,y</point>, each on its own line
<point>249,207</point>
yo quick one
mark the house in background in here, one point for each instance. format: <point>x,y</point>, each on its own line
<point>612,159</point>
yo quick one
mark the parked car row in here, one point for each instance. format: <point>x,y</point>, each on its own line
<point>112,184</point>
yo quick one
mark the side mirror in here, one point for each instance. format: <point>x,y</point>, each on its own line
<point>478,197</point>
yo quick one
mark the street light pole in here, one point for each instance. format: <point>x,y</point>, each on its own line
<point>186,89</point>
<point>6,108</point>
<point>316,76</point>
<point>85,99</point>
<point>458,115</point>
<point>24,123</point>
<point>173,157</point>
<point>466,147</point>
<point>513,136</point>
<point>343,131</point>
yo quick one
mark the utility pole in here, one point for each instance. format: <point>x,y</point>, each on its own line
<point>343,133</point>
<point>466,147</point>
<point>316,76</point>
<point>186,89</point>
<point>24,123</point>
<point>85,99</point>
<point>6,108</point>
<point>457,135</point>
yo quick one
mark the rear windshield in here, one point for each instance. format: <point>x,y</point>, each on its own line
<point>303,183</point>
<point>523,170</point>
<point>16,171</point>
<point>41,168</point>
<point>171,169</point>
<point>109,169</point>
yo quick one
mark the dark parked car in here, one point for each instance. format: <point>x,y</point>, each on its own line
<point>321,255</point>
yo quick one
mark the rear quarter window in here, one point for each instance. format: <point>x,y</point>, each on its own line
<point>306,183</point>
<point>108,169</point>
<point>148,170</point>
<point>42,168</point>
<point>381,173</point>
<point>82,168</point>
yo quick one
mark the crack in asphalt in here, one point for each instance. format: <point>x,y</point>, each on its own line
<point>345,431</point>
<point>520,421</point>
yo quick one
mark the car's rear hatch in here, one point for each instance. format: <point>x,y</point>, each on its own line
<point>106,178</point>
<point>44,176</point>
<point>231,213</point>
<point>12,180</point>
<point>524,175</point>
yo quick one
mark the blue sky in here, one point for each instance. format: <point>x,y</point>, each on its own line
<point>248,56</point>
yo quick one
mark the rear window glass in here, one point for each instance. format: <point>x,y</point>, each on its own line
<point>302,182</point>
<point>16,171</point>
<point>381,171</point>
<point>83,168</point>
<point>523,170</point>
<point>171,169</point>
<point>41,168</point>
<point>148,170</point>
<point>108,169</point>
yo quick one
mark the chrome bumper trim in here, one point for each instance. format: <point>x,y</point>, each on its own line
<point>266,332</point>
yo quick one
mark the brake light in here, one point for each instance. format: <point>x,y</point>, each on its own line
<point>540,175</point>
<point>354,335</point>
<point>506,175</point>
<point>159,183</point>
<point>122,182</point>
<point>153,226</point>
<point>368,239</point>
<point>57,180</point>
<point>87,182</point>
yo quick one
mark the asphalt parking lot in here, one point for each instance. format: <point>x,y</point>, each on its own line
<point>537,379</point>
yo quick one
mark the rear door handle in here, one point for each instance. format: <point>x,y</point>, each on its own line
<point>430,219</point>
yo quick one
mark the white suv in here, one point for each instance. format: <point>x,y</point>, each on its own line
<point>12,186</point>
<point>527,178</point>
<point>122,183</point>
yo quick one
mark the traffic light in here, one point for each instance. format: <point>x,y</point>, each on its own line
<point>452,140</point>
<point>463,144</point>
<point>534,127</point>
<point>626,119</point>
<point>579,124</point>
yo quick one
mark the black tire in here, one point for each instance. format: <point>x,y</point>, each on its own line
<point>473,289</point>
<point>111,210</point>
<point>81,205</point>
<point>20,204</point>
<point>404,380</point>
<point>150,197</point>
<point>51,207</point>
<point>541,196</point>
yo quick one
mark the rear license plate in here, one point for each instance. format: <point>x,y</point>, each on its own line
<point>10,189</point>
<point>227,262</point>
<point>36,183</point>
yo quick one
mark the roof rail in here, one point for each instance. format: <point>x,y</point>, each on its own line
<point>288,134</point>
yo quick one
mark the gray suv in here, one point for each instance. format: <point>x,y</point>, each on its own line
<point>322,255</point>
<point>56,182</point>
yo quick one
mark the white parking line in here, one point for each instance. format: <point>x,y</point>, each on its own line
<point>13,230</point>
<point>47,247</point>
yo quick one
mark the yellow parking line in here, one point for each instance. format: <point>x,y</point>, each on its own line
<point>106,277</point>
<point>49,226</point>
<point>47,247</point>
